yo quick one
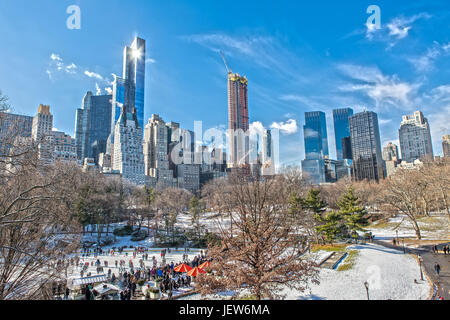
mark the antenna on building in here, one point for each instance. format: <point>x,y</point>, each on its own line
<point>225,62</point>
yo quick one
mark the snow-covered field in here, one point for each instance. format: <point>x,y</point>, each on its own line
<point>390,275</point>
<point>434,228</point>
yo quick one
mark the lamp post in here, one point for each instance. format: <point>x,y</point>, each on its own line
<point>366,284</point>
<point>397,236</point>
<point>420,264</point>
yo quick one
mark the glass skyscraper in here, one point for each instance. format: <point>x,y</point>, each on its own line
<point>134,74</point>
<point>316,146</point>
<point>341,129</point>
<point>366,146</point>
<point>93,126</point>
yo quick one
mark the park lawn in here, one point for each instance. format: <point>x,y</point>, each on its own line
<point>338,247</point>
<point>349,261</point>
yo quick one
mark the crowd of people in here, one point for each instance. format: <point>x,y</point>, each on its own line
<point>129,276</point>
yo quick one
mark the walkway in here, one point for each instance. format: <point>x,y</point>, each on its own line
<point>429,259</point>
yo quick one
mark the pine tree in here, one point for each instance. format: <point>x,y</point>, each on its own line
<point>353,212</point>
<point>332,226</point>
<point>314,204</point>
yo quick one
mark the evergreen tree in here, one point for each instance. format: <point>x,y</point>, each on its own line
<point>353,212</point>
<point>315,206</point>
<point>332,226</point>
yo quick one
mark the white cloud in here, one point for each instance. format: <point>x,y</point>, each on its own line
<point>55,57</point>
<point>150,60</point>
<point>109,90</point>
<point>287,128</point>
<point>426,62</point>
<point>380,88</point>
<point>93,75</point>
<point>256,128</point>
<point>98,90</point>
<point>396,29</point>
<point>71,68</point>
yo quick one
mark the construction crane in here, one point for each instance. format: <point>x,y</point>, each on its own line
<point>225,62</point>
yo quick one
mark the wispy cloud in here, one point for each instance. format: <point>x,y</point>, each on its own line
<point>287,128</point>
<point>425,62</point>
<point>382,89</point>
<point>93,75</point>
<point>57,64</point>
<point>396,29</point>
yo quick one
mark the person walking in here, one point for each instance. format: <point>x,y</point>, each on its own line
<point>437,268</point>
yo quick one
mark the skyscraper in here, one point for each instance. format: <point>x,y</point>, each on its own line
<point>366,146</point>
<point>238,120</point>
<point>446,145</point>
<point>134,73</point>
<point>156,149</point>
<point>42,123</point>
<point>316,146</point>
<point>390,152</point>
<point>130,88</point>
<point>93,126</point>
<point>415,137</point>
<point>341,129</point>
<point>128,147</point>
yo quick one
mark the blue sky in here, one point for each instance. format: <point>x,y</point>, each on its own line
<point>298,56</point>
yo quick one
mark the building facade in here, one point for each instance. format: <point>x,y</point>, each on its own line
<point>128,156</point>
<point>238,120</point>
<point>415,138</point>
<point>93,126</point>
<point>316,146</point>
<point>446,145</point>
<point>366,147</point>
<point>42,123</point>
<point>129,90</point>
<point>341,129</point>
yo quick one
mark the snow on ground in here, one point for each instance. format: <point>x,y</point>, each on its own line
<point>390,275</point>
<point>431,228</point>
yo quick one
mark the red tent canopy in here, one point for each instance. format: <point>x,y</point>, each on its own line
<point>182,268</point>
<point>204,265</point>
<point>195,272</point>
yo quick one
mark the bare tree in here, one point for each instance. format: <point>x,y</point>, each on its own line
<point>263,252</point>
<point>38,229</point>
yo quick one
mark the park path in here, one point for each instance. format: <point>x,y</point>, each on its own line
<point>442,281</point>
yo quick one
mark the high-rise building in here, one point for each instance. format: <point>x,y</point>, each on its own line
<point>134,72</point>
<point>415,137</point>
<point>446,145</point>
<point>391,158</point>
<point>390,152</point>
<point>366,146</point>
<point>63,146</point>
<point>347,148</point>
<point>316,146</point>
<point>42,123</point>
<point>128,156</point>
<point>341,129</point>
<point>189,177</point>
<point>238,119</point>
<point>156,158</point>
<point>93,126</point>
<point>13,126</point>
<point>130,88</point>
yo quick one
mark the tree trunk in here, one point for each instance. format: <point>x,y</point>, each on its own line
<point>417,229</point>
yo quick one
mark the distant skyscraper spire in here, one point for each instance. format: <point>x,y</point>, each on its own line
<point>238,120</point>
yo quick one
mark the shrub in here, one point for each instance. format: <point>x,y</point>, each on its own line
<point>124,231</point>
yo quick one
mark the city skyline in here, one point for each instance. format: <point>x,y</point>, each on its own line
<point>279,93</point>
